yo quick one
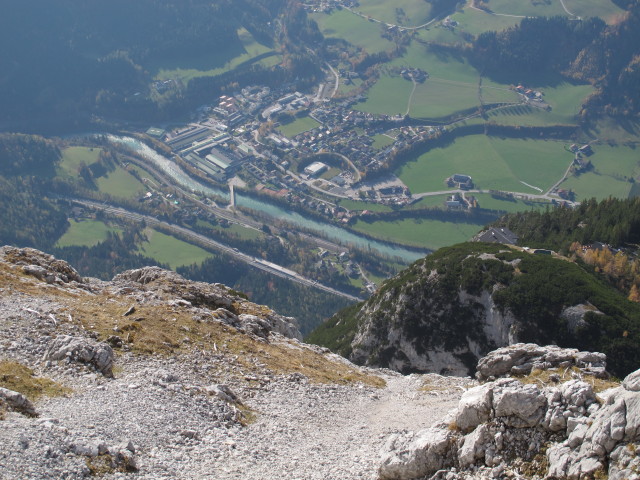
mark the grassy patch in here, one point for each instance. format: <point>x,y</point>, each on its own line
<point>85,233</point>
<point>437,98</point>
<point>431,234</point>
<point>354,29</point>
<point>215,63</point>
<point>613,167</point>
<point>120,183</point>
<point>172,251</point>
<point>605,9</point>
<point>381,141</point>
<point>413,12</point>
<point>299,125</point>
<point>389,96</point>
<point>525,8</point>
<point>20,378</point>
<point>73,157</point>
<point>485,200</point>
<point>475,22</point>
<point>542,378</point>
<point>359,206</point>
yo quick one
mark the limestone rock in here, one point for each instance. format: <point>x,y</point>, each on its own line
<point>17,402</point>
<point>521,405</point>
<point>416,455</point>
<point>521,358</point>
<point>82,350</point>
<point>474,407</point>
<point>40,265</point>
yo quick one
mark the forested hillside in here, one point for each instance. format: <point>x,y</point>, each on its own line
<point>608,56</point>
<point>461,301</point>
<point>27,216</point>
<point>68,60</point>
<point>612,221</point>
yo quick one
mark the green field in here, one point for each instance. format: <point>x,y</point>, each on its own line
<point>299,125</point>
<point>360,206</point>
<point>120,183</point>
<point>171,251</point>
<point>381,141</point>
<point>389,96</point>
<point>604,9</point>
<point>431,234</point>
<point>215,63</point>
<point>527,8</point>
<point>438,98</point>
<point>85,233</point>
<point>486,201</point>
<point>565,99</point>
<point>493,163</point>
<point>414,12</point>
<point>612,169</point>
<point>354,29</point>
<point>73,157</point>
<point>476,22</point>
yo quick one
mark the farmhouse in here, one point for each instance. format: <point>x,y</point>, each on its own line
<point>315,169</point>
<point>463,182</point>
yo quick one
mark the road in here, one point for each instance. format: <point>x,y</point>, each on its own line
<point>260,264</point>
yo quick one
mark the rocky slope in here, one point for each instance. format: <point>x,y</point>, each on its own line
<point>152,376</point>
<point>558,423</point>
<point>448,310</point>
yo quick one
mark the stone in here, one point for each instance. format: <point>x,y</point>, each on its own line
<point>17,402</point>
<point>474,446</point>
<point>474,407</point>
<point>82,350</point>
<point>522,405</point>
<point>632,382</point>
<point>416,455</point>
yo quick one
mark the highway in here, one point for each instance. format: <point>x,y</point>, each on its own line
<point>260,264</point>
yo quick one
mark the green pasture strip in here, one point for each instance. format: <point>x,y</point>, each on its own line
<point>73,157</point>
<point>425,233</point>
<point>85,233</point>
<point>354,29</point>
<point>172,251</point>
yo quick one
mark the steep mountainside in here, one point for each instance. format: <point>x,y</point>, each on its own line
<point>447,310</point>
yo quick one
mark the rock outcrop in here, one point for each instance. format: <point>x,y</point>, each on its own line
<point>506,428</point>
<point>82,350</point>
<point>522,358</point>
<point>217,298</point>
<point>446,311</point>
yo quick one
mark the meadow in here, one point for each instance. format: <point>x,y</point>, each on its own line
<point>493,163</point>
<point>414,12</point>
<point>615,169</point>
<point>354,29</point>
<point>389,96</point>
<point>425,233</point>
<point>215,62</point>
<point>85,233</point>
<point>120,183</point>
<point>73,157</point>
<point>170,250</point>
<point>299,125</point>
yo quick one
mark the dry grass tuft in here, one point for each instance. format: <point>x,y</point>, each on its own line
<point>542,378</point>
<point>19,378</point>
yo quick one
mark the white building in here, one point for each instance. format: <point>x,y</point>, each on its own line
<point>315,169</point>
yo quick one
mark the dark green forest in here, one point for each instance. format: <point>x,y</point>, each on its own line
<point>613,221</point>
<point>608,56</point>
<point>71,63</point>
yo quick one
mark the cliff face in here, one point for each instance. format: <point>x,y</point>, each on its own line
<point>446,311</point>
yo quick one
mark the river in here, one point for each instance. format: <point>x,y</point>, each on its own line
<point>331,231</point>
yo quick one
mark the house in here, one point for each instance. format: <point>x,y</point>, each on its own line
<point>463,182</point>
<point>497,235</point>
